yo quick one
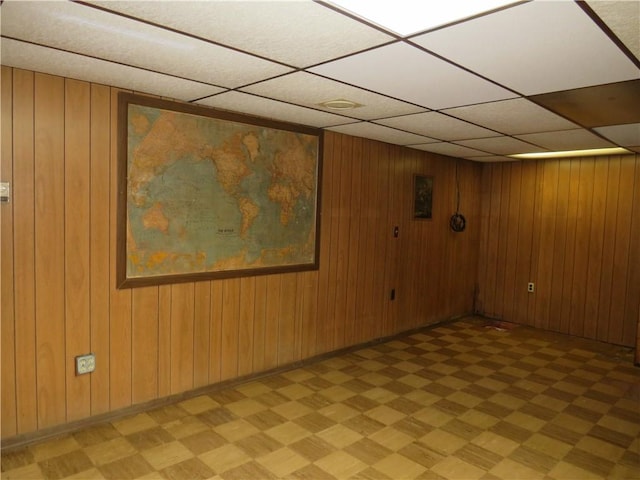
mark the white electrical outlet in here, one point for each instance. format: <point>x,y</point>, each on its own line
<point>531,287</point>
<point>85,363</point>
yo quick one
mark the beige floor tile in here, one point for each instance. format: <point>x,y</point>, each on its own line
<point>511,469</point>
<point>478,419</point>
<point>134,424</point>
<point>341,465</point>
<point>454,468</point>
<point>287,433</point>
<point>224,458</point>
<point>523,420</point>
<point>110,451</point>
<point>185,427</point>
<point>454,401</point>
<point>292,410</point>
<point>495,443</point>
<point>548,445</point>
<point>339,436</point>
<point>385,415</point>
<point>399,466</point>
<point>283,461</point>
<point>337,393</point>
<point>164,456</point>
<point>236,430</point>
<point>443,442</point>
<point>295,391</point>
<point>245,407</point>
<point>339,412</point>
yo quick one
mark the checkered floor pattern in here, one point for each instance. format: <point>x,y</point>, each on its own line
<point>462,400</point>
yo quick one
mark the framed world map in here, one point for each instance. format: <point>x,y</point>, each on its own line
<point>206,194</point>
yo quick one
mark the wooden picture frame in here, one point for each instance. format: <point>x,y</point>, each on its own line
<point>206,194</point>
<point>422,197</point>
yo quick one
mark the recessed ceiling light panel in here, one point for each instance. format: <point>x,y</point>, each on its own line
<point>406,17</point>
<point>572,153</point>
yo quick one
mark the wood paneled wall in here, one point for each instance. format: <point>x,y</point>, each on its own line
<point>573,228</point>
<point>58,276</point>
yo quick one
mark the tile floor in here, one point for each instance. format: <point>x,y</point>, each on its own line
<point>458,401</point>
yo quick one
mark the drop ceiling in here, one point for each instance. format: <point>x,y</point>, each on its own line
<point>530,76</point>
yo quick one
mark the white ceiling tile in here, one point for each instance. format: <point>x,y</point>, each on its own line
<point>625,135</point>
<point>512,117</point>
<point>267,108</point>
<point>577,139</point>
<point>536,47</point>
<point>310,90</point>
<point>298,33</point>
<point>500,145</point>
<point>437,125</point>
<point>407,73</point>
<point>449,149</point>
<point>623,18</point>
<point>381,133</point>
<point>119,39</point>
<point>55,62</point>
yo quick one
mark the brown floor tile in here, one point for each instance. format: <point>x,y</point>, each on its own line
<point>149,438</point>
<point>193,469</point>
<point>65,465</point>
<point>126,468</point>
<point>454,401</point>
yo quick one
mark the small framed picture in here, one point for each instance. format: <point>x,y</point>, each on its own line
<point>422,197</point>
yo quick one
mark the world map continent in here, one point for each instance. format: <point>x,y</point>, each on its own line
<point>212,195</point>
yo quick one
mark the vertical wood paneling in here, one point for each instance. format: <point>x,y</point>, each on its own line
<point>77,180</point>
<point>632,303</point>
<point>120,300</point>
<point>570,247</point>
<point>215,332</point>
<point>259,325</point>
<point>621,265</point>
<point>182,319</point>
<point>229,352</point>
<point>353,266</point>
<point>557,244</point>
<point>7,331</point>
<point>99,256</point>
<point>201,334</point>
<point>144,340</point>
<point>152,342</point>
<point>286,318</point>
<point>24,249</point>
<point>596,235</point>
<point>308,314</point>
<point>608,250</point>
<point>342,218</point>
<point>272,313</point>
<point>164,340</point>
<point>324,330</point>
<point>582,260</point>
<point>577,225</point>
<point>245,330</point>
<point>524,222</point>
<point>49,249</point>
